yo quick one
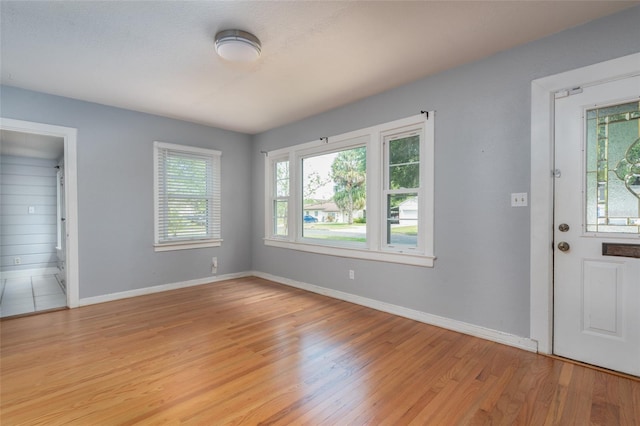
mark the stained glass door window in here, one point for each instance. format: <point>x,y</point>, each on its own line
<point>613,169</point>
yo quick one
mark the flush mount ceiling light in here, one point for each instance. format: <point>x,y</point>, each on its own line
<point>237,46</point>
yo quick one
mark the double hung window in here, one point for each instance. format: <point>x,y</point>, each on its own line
<point>280,198</point>
<point>365,194</point>
<point>187,197</point>
<point>402,189</point>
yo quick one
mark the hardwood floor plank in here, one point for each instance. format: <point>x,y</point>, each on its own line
<point>249,351</point>
<point>545,392</point>
<point>629,402</point>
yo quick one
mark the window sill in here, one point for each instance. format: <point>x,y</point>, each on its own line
<point>380,256</point>
<point>187,245</point>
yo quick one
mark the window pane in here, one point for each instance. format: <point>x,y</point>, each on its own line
<point>404,162</point>
<point>334,195</point>
<point>280,215</point>
<point>402,219</point>
<point>404,176</point>
<point>187,196</point>
<point>187,218</point>
<point>282,179</point>
<point>187,176</point>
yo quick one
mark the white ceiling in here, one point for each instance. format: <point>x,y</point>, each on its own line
<point>158,56</point>
<point>30,145</point>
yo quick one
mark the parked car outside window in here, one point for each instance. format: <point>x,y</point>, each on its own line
<point>309,219</point>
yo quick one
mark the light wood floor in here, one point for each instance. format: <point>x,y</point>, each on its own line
<point>250,351</point>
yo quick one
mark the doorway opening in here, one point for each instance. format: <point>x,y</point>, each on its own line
<point>39,268</point>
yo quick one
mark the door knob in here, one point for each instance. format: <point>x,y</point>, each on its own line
<point>563,246</point>
<point>563,227</point>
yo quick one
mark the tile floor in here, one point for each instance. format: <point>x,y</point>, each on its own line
<point>30,294</point>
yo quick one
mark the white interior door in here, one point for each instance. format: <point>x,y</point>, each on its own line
<point>597,226</point>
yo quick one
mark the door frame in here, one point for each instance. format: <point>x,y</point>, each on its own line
<point>542,193</point>
<point>69,135</point>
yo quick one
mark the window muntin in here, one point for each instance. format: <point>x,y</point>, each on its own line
<point>403,175</point>
<point>334,196</point>
<point>187,197</point>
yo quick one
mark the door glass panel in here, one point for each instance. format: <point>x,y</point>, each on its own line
<point>613,169</point>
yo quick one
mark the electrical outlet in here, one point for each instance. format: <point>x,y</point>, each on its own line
<point>352,274</point>
<point>17,261</point>
<point>519,199</point>
<point>214,265</point>
<point>32,209</point>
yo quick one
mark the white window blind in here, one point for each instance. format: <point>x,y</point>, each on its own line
<point>187,196</point>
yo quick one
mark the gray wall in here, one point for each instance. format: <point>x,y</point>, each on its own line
<point>482,154</point>
<point>483,109</point>
<point>27,182</point>
<point>115,192</point>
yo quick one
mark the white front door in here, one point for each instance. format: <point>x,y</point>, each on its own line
<point>597,225</point>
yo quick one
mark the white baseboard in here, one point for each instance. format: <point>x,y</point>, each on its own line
<point>28,272</point>
<point>159,288</point>
<point>450,324</point>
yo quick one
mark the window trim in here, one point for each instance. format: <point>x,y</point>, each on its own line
<point>375,248</point>
<point>216,196</point>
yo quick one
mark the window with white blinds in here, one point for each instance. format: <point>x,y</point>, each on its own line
<point>187,197</point>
